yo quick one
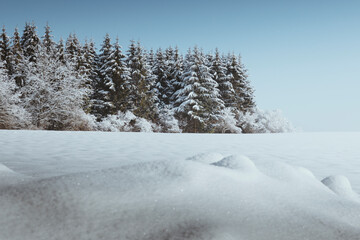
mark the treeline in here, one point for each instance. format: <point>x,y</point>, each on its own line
<point>70,86</point>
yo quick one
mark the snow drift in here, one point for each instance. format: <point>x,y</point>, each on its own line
<point>172,199</point>
<point>107,186</point>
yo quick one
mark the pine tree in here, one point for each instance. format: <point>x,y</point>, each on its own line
<point>198,102</point>
<point>150,58</point>
<point>87,71</point>
<point>120,78</point>
<point>169,73</point>
<point>30,42</point>
<point>73,51</point>
<point>175,75</point>
<point>243,97</point>
<point>48,42</point>
<point>104,105</point>
<point>5,52</point>
<point>160,71</point>
<point>17,59</point>
<point>142,99</point>
<point>219,72</point>
<point>60,52</point>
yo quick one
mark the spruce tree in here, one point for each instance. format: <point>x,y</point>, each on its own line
<point>198,101</point>
<point>60,52</point>
<point>150,59</point>
<point>160,72</point>
<point>5,52</point>
<point>120,78</point>
<point>219,72</point>
<point>30,42</point>
<point>73,51</point>
<point>142,99</point>
<point>175,75</point>
<point>48,42</point>
<point>17,59</point>
<point>104,84</point>
<point>243,97</point>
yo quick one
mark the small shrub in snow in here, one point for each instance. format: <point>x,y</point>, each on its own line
<point>125,122</point>
<point>260,121</point>
<point>12,116</point>
<point>167,121</point>
<point>227,123</point>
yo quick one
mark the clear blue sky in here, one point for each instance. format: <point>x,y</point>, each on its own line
<point>303,56</point>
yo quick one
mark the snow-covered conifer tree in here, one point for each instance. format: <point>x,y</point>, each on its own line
<point>30,42</point>
<point>116,75</point>
<point>219,72</point>
<point>120,76</point>
<point>60,51</point>
<point>17,58</point>
<point>243,98</point>
<point>160,72</point>
<point>5,51</point>
<point>104,104</point>
<point>198,102</point>
<point>175,75</point>
<point>48,42</point>
<point>142,99</point>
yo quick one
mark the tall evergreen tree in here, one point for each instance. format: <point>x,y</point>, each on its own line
<point>104,105</point>
<point>142,99</point>
<point>60,52</point>
<point>48,42</point>
<point>30,42</point>
<point>198,102</point>
<point>17,59</point>
<point>243,97</point>
<point>73,50</point>
<point>150,58</point>
<point>5,52</point>
<point>120,78</point>
<point>175,75</point>
<point>219,72</point>
<point>160,72</point>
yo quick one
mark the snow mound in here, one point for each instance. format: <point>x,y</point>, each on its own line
<point>237,162</point>
<point>285,172</point>
<point>5,169</point>
<point>208,198</point>
<point>207,158</point>
<point>341,186</point>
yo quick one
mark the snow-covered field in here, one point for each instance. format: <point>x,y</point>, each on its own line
<point>97,185</point>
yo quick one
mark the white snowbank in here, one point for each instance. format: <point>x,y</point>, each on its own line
<point>341,186</point>
<point>237,162</point>
<point>4,169</point>
<point>124,188</point>
<point>175,200</point>
<point>210,157</point>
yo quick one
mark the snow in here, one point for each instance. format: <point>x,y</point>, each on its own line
<point>341,186</point>
<point>97,185</point>
<point>4,169</point>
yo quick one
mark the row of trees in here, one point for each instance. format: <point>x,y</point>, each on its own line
<point>71,86</point>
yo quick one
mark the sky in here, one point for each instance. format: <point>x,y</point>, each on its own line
<point>303,57</point>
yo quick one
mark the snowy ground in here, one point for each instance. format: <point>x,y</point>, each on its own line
<point>93,185</point>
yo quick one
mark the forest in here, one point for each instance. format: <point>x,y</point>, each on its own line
<point>69,85</point>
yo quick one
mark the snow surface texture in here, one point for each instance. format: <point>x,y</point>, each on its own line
<point>85,185</point>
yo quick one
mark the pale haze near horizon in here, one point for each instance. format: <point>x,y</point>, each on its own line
<point>302,56</point>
